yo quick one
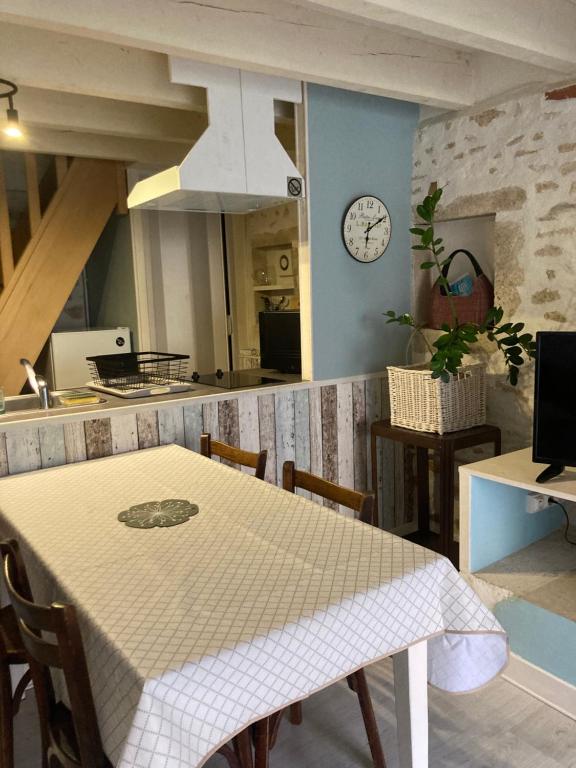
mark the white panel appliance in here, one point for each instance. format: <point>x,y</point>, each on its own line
<point>67,366</point>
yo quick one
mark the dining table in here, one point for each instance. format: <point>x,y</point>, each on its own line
<point>209,600</point>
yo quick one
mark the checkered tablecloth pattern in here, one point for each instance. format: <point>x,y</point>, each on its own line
<point>261,599</point>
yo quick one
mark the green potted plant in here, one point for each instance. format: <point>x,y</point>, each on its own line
<point>446,394</point>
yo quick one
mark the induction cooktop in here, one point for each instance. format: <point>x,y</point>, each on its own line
<point>234,379</point>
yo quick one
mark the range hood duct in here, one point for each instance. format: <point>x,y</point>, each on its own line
<point>237,165</point>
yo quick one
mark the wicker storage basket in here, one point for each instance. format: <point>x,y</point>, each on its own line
<point>417,401</point>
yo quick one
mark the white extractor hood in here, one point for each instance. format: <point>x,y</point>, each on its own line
<point>237,165</point>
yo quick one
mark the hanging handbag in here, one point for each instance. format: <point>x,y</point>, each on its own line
<point>469,309</point>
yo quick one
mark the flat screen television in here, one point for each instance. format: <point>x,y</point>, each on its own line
<point>280,341</point>
<point>554,436</point>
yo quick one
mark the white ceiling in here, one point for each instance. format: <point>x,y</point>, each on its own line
<point>447,54</point>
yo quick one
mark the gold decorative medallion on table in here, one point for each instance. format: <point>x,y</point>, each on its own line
<point>158,514</point>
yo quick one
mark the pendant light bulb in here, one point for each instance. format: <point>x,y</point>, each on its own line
<point>12,129</point>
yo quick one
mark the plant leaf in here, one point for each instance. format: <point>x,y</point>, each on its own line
<point>424,213</point>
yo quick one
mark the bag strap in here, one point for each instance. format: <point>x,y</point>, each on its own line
<point>445,269</point>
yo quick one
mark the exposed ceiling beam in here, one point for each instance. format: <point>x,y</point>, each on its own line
<point>89,114</point>
<point>270,36</point>
<point>540,32</point>
<point>53,142</point>
<point>71,64</point>
<point>497,78</point>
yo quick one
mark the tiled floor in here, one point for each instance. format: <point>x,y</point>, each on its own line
<point>498,727</point>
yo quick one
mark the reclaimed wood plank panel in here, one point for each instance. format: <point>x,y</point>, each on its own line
<point>285,439</point>
<point>345,438</point>
<point>98,438</point>
<point>147,428</point>
<point>267,426</point>
<point>210,419</point>
<point>74,442</point>
<point>23,450</point>
<point>302,434</point>
<point>360,436</point>
<point>52,445</point>
<point>124,433</point>
<point>315,400</point>
<point>210,422</point>
<point>3,455</point>
<point>329,436</point>
<point>193,426</point>
<point>171,426</point>
<point>228,425</point>
<point>249,424</point>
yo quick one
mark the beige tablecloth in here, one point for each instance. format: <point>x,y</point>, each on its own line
<point>194,631</point>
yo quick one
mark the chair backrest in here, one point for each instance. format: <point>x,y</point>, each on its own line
<point>362,503</point>
<point>66,654</point>
<point>255,460</point>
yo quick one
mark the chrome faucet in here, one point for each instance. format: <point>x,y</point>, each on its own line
<point>38,384</point>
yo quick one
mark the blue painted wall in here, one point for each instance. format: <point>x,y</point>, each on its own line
<point>500,525</point>
<point>357,145</point>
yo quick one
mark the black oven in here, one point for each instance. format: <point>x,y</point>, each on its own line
<point>280,341</point>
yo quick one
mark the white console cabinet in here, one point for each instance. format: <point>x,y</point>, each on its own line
<point>523,569</point>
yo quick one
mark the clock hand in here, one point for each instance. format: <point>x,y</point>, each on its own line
<point>371,226</point>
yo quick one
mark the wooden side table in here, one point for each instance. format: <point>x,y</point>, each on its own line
<point>446,446</point>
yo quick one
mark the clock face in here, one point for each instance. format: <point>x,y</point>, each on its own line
<point>366,228</point>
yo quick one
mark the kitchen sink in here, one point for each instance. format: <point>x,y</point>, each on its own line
<point>29,403</point>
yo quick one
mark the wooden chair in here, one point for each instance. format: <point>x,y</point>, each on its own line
<point>11,652</point>
<point>257,461</point>
<point>70,737</point>
<point>363,504</point>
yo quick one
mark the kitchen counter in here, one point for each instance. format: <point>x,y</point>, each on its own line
<point>115,404</point>
<point>323,426</point>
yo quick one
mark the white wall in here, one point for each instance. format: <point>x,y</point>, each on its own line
<point>178,269</point>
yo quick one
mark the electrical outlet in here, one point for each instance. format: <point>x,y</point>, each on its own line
<point>536,502</point>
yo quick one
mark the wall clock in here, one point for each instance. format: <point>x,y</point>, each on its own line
<point>366,228</point>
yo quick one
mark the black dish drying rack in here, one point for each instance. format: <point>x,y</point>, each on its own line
<point>129,371</point>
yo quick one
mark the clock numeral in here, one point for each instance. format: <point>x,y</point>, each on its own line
<point>370,204</point>
<point>348,227</point>
<point>360,206</point>
<point>351,241</point>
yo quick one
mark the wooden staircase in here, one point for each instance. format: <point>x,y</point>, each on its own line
<point>36,286</point>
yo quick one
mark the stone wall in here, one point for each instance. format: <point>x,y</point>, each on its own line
<point>516,160</point>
